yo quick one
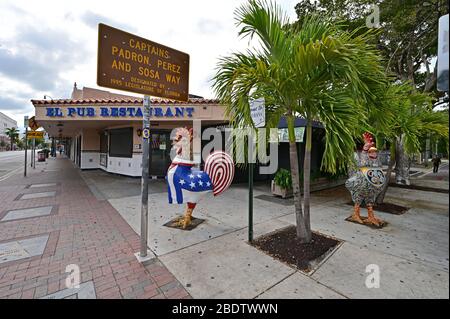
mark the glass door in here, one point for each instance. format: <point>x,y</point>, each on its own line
<point>161,145</point>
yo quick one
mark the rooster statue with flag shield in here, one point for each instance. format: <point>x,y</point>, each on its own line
<point>187,184</point>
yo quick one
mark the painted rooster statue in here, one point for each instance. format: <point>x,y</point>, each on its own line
<point>188,185</point>
<point>366,183</point>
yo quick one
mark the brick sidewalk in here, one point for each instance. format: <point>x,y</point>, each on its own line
<point>81,230</point>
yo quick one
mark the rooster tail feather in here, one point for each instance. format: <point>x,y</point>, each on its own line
<point>220,168</point>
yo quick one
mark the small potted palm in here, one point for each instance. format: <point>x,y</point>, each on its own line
<point>282,183</point>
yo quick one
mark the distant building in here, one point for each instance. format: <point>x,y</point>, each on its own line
<point>5,122</point>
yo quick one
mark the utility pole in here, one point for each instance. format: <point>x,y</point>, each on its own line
<point>144,180</point>
<point>33,154</point>
<point>25,123</point>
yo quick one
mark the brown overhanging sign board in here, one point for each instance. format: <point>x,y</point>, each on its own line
<point>131,63</point>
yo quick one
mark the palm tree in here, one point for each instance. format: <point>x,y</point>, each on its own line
<point>402,119</point>
<point>315,70</point>
<point>12,133</point>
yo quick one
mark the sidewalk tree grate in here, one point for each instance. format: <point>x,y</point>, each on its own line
<point>174,223</point>
<point>420,188</point>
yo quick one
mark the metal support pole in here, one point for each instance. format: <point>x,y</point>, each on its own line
<point>250,201</point>
<point>26,148</point>
<point>34,154</point>
<point>145,174</point>
<point>251,166</point>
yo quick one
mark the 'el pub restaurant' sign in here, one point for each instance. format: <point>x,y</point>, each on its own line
<point>131,63</point>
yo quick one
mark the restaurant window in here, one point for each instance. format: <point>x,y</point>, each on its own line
<point>121,142</point>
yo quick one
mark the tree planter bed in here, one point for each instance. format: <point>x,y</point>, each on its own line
<point>284,246</point>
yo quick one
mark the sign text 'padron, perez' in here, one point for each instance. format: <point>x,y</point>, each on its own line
<point>130,63</point>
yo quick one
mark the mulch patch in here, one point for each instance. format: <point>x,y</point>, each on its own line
<point>420,188</point>
<point>387,208</point>
<point>284,246</point>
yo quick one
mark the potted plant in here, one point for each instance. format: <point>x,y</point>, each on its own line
<point>282,183</point>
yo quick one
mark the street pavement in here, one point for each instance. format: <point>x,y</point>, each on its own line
<point>215,261</point>
<point>11,162</point>
<point>92,219</point>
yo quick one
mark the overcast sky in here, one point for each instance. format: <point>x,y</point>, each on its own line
<point>47,45</point>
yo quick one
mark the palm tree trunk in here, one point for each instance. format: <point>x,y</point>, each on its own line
<point>307,179</point>
<point>402,163</point>
<point>380,198</point>
<point>293,157</point>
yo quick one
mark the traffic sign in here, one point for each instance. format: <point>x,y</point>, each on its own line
<point>35,134</point>
<point>145,133</point>
<point>33,124</point>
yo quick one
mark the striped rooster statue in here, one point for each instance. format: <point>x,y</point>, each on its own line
<point>366,183</point>
<point>187,184</point>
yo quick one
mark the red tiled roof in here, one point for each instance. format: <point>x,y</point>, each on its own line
<point>124,101</point>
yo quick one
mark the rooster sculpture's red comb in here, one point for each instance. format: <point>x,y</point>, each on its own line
<point>368,141</point>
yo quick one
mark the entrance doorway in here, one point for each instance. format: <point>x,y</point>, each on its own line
<point>161,145</point>
<point>78,152</point>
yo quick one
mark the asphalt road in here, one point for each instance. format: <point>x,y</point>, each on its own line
<point>12,162</point>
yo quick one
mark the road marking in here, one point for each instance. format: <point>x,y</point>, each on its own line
<point>8,175</point>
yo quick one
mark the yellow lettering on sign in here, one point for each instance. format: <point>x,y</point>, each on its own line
<point>121,66</point>
<point>130,55</point>
<point>151,49</point>
<point>35,134</point>
<point>169,66</point>
<point>172,79</point>
<point>149,73</point>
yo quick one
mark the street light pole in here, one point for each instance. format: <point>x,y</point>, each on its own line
<point>33,154</point>
<point>144,181</point>
<point>26,148</point>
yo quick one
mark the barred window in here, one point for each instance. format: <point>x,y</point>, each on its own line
<point>121,142</point>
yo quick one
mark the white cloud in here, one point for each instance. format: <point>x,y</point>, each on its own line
<point>47,45</point>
